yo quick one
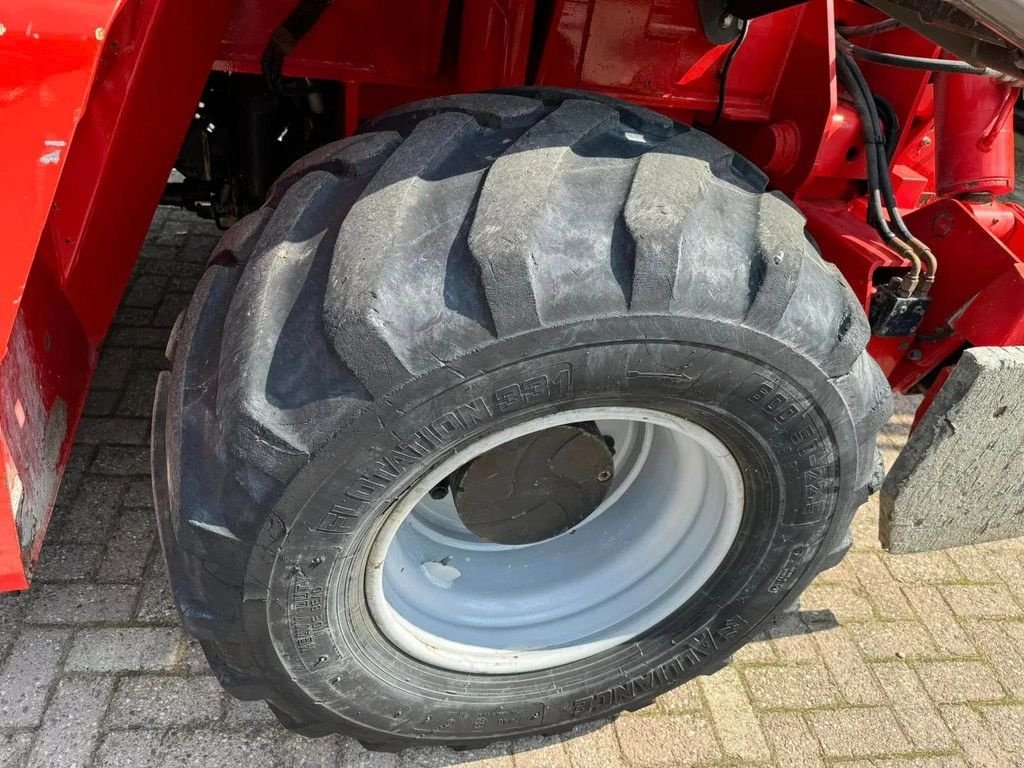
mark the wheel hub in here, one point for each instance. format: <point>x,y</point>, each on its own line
<point>536,486</point>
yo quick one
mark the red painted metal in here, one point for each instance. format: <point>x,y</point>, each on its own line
<point>95,96</point>
<point>78,220</point>
<point>49,51</point>
<point>975,136</point>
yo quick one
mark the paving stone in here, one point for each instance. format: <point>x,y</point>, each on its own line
<point>540,752</point>
<point>133,749</point>
<point>133,316</point>
<point>685,698</point>
<point>1015,632</point>
<point>214,749</point>
<point>12,607</point>
<point>803,687</point>
<point>938,618</point>
<point>70,729</point>
<point>883,591</point>
<point>113,431</point>
<point>1006,723</point>
<point>130,547</point>
<point>956,682</point>
<point>80,603</point>
<point>650,742</point>
<point>245,713</point>
<point>739,732</point>
<point>92,513</point>
<point>31,668</point>
<point>121,460</point>
<point>973,563</point>
<point>863,732</point>
<point>67,562</point>
<point>981,601</point>
<point>101,402</point>
<point>843,602</point>
<point>979,745</point>
<point>1005,660</point>
<point>139,495</point>
<point>1009,568</point>
<point>894,640</point>
<point>924,568</point>
<point>137,399</point>
<point>126,649</point>
<point>145,291</point>
<point>113,368</point>
<point>149,701</point>
<point>791,740</point>
<point>846,667</point>
<point>495,756</point>
<point>757,651</point>
<point>156,606</point>
<point>942,761</point>
<point>195,662</point>
<point>593,744</point>
<point>14,748</point>
<point>352,755</point>
<point>917,714</point>
<point>792,641</point>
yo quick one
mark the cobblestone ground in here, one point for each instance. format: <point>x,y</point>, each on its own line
<point>910,662</point>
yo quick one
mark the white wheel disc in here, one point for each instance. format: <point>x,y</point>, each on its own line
<point>452,600</point>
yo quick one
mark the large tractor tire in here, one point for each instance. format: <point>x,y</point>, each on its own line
<point>513,411</point>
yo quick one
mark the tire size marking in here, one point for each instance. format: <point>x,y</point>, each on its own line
<point>806,442</point>
<point>460,721</point>
<point>787,575</point>
<point>699,646</point>
<point>382,474</point>
<point>307,613</point>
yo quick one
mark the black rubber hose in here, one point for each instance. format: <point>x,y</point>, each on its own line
<point>922,285</point>
<point>914,62</point>
<point>723,78</point>
<point>863,30</point>
<point>878,171</point>
<point>892,125</point>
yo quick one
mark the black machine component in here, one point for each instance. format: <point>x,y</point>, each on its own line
<point>535,487</point>
<point>243,135</point>
<point>894,315</point>
<point>724,20</point>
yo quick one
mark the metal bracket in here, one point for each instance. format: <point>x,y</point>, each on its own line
<point>723,20</point>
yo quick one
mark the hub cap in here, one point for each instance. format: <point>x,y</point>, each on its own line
<point>669,516</point>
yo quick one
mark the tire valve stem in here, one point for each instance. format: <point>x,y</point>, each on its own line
<point>440,490</point>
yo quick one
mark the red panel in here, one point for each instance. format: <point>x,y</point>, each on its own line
<point>49,48</point>
<point>365,41</point>
<point>655,52</point>
<point>155,60</point>
<point>970,260</point>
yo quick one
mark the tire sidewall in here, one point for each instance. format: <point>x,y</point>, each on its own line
<point>780,415</point>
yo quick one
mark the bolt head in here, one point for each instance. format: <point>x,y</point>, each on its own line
<point>727,21</point>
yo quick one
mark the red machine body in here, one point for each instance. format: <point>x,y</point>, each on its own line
<point>97,95</point>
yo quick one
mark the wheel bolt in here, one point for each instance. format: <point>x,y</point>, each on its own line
<point>604,476</point>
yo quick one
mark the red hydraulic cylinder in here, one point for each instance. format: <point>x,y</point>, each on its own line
<point>974,136</point>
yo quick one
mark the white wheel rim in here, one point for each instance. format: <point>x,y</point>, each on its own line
<point>454,601</point>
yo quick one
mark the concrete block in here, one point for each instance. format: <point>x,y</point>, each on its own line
<point>960,478</point>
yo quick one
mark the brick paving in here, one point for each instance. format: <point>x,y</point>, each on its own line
<point>910,662</point>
